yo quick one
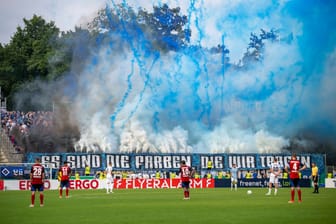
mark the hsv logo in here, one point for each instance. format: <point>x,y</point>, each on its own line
<point>5,172</point>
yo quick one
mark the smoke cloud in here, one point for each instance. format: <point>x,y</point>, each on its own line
<point>137,100</point>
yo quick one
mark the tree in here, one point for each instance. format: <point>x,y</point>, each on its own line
<point>27,55</point>
<point>167,27</point>
<point>256,46</point>
<point>30,47</point>
<point>163,29</point>
<point>5,70</point>
<point>71,50</point>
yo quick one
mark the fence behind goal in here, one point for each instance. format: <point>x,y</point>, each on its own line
<point>18,171</point>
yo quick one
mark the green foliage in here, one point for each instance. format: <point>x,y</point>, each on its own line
<point>256,46</point>
<point>164,29</point>
<point>71,49</point>
<point>167,26</point>
<point>27,55</point>
<point>32,47</point>
<point>38,50</point>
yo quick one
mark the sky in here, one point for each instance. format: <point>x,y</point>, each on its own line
<point>66,14</point>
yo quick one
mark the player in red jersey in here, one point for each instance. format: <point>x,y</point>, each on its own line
<point>295,166</point>
<point>37,176</point>
<point>186,172</point>
<point>65,171</point>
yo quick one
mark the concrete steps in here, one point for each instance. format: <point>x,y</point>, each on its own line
<point>7,151</point>
<point>3,158</point>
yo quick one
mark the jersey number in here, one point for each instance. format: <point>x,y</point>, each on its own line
<point>295,168</point>
<point>64,171</point>
<point>185,172</point>
<point>37,171</point>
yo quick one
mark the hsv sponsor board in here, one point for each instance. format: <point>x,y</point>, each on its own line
<point>24,185</point>
<point>11,171</point>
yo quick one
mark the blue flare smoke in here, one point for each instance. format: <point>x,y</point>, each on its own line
<point>224,82</point>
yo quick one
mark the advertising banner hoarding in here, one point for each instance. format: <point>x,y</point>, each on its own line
<point>94,184</point>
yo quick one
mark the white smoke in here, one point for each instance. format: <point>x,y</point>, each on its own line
<point>243,128</point>
<point>230,137</point>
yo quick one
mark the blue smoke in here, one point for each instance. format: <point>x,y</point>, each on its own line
<point>216,94</point>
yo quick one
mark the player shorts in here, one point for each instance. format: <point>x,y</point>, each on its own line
<point>294,182</point>
<point>273,179</point>
<point>315,179</point>
<point>39,187</point>
<point>234,180</point>
<point>109,179</point>
<point>65,183</point>
<point>185,184</point>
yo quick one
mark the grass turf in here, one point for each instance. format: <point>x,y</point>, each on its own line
<point>161,206</point>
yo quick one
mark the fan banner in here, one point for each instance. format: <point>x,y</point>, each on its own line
<point>171,162</point>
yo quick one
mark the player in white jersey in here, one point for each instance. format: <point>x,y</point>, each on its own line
<point>274,177</point>
<point>109,179</point>
<point>234,176</point>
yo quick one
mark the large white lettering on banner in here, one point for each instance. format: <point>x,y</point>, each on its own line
<point>145,162</point>
<point>118,161</point>
<point>217,161</point>
<point>168,162</point>
<point>79,161</point>
<point>76,160</point>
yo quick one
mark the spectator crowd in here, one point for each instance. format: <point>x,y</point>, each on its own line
<point>21,127</point>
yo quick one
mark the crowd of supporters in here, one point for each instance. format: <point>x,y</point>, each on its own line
<point>21,127</point>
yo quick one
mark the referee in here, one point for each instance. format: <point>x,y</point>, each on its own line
<point>314,176</point>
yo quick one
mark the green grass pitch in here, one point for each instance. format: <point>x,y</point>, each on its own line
<point>161,206</point>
